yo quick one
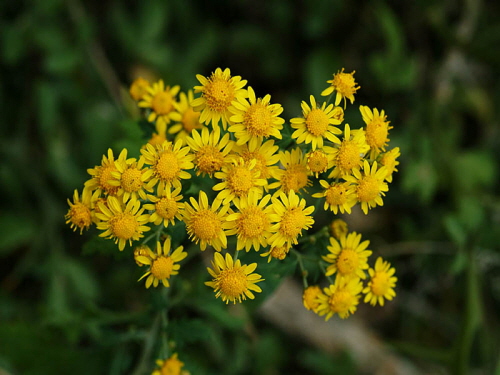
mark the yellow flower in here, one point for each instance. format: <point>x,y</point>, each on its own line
<point>338,228</point>
<point>320,160</point>
<point>349,258</point>
<point>190,119</point>
<point>369,186</point>
<point>317,123</point>
<point>130,177</point>
<point>139,88</point>
<point>205,224</point>
<point>232,281</point>
<point>382,283</point>
<point>79,213</point>
<point>239,179</point>
<point>162,265</point>
<point>338,196</point>
<point>217,94</point>
<point>294,176</point>
<point>341,298</point>
<point>344,85</point>
<point>377,128</point>
<point>170,366</point>
<point>102,175</point>
<point>169,163</point>
<point>276,252</point>
<point>255,118</point>
<point>310,297</point>
<point>141,250</point>
<point>122,221</point>
<point>389,162</point>
<point>156,139</point>
<point>160,99</point>
<point>210,150</point>
<point>252,223</point>
<point>291,217</point>
<point>349,154</point>
<point>166,206</point>
<point>264,154</point>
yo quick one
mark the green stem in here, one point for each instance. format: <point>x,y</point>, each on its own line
<point>303,271</point>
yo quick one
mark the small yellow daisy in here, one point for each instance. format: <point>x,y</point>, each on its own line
<point>252,222</point>
<point>369,186</point>
<point>169,163</point>
<point>344,85</point>
<point>162,265</point>
<point>190,119</point>
<point>377,128</point>
<point>170,366</point>
<point>255,118</point>
<point>349,258</point>
<point>217,94</point>
<point>389,161</point>
<point>341,298</point>
<point>102,175</point>
<point>291,217</point>
<point>338,228</point>
<point>141,250</point>
<point>160,99</point>
<point>139,88</point>
<point>80,211</point>
<point>122,221</point>
<point>317,123</point>
<point>210,150</point>
<point>156,139</point>
<point>310,297</point>
<point>239,178</point>
<point>320,160</point>
<point>276,252</point>
<point>232,281</point>
<point>294,175</point>
<point>165,206</point>
<point>382,283</point>
<point>338,196</point>
<point>205,223</point>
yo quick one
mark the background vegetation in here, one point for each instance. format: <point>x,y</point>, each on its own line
<point>70,303</point>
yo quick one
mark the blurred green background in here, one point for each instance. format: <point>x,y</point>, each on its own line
<point>433,66</point>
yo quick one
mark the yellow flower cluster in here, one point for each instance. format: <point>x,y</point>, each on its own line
<point>231,137</point>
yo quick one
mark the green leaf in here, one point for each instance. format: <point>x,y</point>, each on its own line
<point>17,230</point>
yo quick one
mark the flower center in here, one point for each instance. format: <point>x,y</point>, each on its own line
<point>336,195</point>
<point>162,267</point>
<point>209,159</point>
<point>349,156</point>
<point>190,120</point>
<point>167,166</point>
<point>166,208</point>
<point>206,225</point>
<point>380,283</point>
<point>317,122</point>
<point>368,189</point>
<point>317,162</point>
<point>347,261</point>
<point>341,301</point>
<point>295,178</point>
<point>162,103</point>
<point>131,180</point>
<point>293,222</point>
<point>106,176</point>
<point>124,226</point>
<point>80,215</point>
<point>258,120</point>
<point>233,282</point>
<point>240,181</point>
<point>376,133</point>
<point>252,222</point>
<point>219,94</point>
<point>279,252</point>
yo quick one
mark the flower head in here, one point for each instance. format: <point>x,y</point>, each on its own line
<point>80,211</point>
<point>276,252</point>
<point>205,223</point>
<point>190,119</point>
<point>170,366</point>
<point>338,196</point>
<point>102,175</point>
<point>377,128</point>
<point>350,152</point>
<point>389,161</point>
<point>310,297</point>
<point>291,217</point>
<point>162,264</point>
<point>317,123</point>
<point>344,85</point>
<point>139,88</point>
<point>349,257</point>
<point>320,160</point>
<point>341,298</point>
<point>382,283</point>
<point>255,118</point>
<point>160,99</point>
<point>166,206</point>
<point>141,250</point>
<point>217,94</point>
<point>295,174</point>
<point>338,228</point>
<point>232,281</point>
<point>122,221</point>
